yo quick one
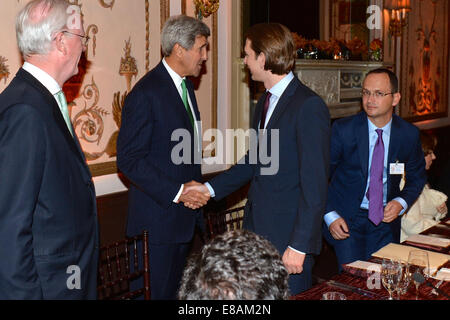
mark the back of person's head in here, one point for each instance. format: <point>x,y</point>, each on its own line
<point>38,22</point>
<point>429,142</point>
<point>276,42</point>
<point>236,265</point>
<point>183,30</point>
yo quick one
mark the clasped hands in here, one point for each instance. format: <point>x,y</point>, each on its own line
<point>195,195</point>
<point>340,231</point>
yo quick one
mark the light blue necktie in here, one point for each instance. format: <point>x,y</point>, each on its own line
<point>63,105</point>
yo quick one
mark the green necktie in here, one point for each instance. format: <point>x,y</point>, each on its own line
<point>186,103</point>
<point>63,105</point>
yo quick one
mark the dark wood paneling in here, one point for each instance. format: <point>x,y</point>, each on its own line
<point>112,216</point>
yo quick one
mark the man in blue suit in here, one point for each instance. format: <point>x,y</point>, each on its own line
<point>160,109</point>
<point>364,202</point>
<point>48,215</point>
<point>286,205</point>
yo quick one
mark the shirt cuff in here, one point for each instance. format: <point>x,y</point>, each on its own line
<point>211,190</point>
<point>178,194</point>
<point>296,250</point>
<point>331,217</point>
<point>403,203</point>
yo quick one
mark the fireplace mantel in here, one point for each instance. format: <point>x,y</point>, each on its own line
<point>337,82</point>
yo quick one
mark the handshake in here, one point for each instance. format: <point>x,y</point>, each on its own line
<point>195,195</point>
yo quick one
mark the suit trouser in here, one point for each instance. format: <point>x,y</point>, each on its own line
<point>302,281</point>
<point>365,238</point>
<point>167,262</point>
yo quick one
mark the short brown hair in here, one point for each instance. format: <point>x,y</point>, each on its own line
<point>429,141</point>
<point>277,44</point>
<point>393,80</point>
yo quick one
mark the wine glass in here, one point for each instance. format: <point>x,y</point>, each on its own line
<point>418,263</point>
<point>405,278</point>
<point>391,273</point>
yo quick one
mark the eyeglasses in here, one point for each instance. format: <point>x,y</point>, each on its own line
<point>84,39</point>
<point>377,94</point>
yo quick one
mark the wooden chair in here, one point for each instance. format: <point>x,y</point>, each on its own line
<point>220,222</point>
<point>122,262</point>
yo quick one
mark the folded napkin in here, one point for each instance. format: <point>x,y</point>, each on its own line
<point>365,265</point>
<point>443,274</point>
<point>398,251</point>
<point>432,241</point>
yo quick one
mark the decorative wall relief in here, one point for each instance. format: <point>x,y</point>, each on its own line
<point>88,123</point>
<point>4,71</point>
<point>128,67</point>
<point>425,75</point>
<point>107,4</point>
<point>93,38</point>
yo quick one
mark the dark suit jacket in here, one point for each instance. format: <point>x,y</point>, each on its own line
<point>287,208</point>
<point>48,215</point>
<point>350,160</point>
<point>153,111</point>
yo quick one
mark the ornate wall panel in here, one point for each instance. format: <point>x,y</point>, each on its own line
<point>124,44</point>
<point>424,74</point>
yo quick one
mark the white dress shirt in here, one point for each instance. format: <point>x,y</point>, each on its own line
<point>177,80</point>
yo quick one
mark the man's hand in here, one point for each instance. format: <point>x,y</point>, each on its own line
<point>391,211</point>
<point>293,261</point>
<point>194,195</point>
<point>339,229</point>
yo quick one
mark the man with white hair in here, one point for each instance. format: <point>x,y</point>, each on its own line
<point>48,216</point>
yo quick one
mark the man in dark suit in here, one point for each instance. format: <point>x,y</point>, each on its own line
<point>159,110</point>
<point>48,217</point>
<point>287,197</point>
<point>370,152</point>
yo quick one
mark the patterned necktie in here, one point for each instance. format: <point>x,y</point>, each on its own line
<point>375,191</point>
<point>186,103</point>
<point>63,105</point>
<point>266,107</point>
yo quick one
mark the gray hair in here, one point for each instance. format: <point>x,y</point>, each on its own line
<point>37,23</point>
<point>183,30</point>
<point>236,265</point>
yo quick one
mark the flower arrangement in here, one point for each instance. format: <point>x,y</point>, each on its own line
<point>354,49</point>
<point>376,50</point>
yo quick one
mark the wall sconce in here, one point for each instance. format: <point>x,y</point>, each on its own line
<point>398,14</point>
<point>204,8</point>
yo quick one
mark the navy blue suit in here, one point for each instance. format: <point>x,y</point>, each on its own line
<point>48,215</point>
<point>287,208</point>
<point>348,178</point>
<point>153,110</point>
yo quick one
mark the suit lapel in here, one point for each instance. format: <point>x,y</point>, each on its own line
<point>394,142</point>
<point>57,116</point>
<point>283,102</point>
<point>362,139</point>
<point>179,105</point>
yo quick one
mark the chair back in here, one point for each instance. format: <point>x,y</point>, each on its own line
<point>122,262</point>
<point>220,222</point>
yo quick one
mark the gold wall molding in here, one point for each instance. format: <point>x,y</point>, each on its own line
<point>424,57</point>
<point>147,36</point>
<point>105,4</point>
<point>165,11</point>
<point>94,29</point>
<point>4,71</point>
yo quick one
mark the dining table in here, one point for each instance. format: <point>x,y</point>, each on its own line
<point>359,284</point>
